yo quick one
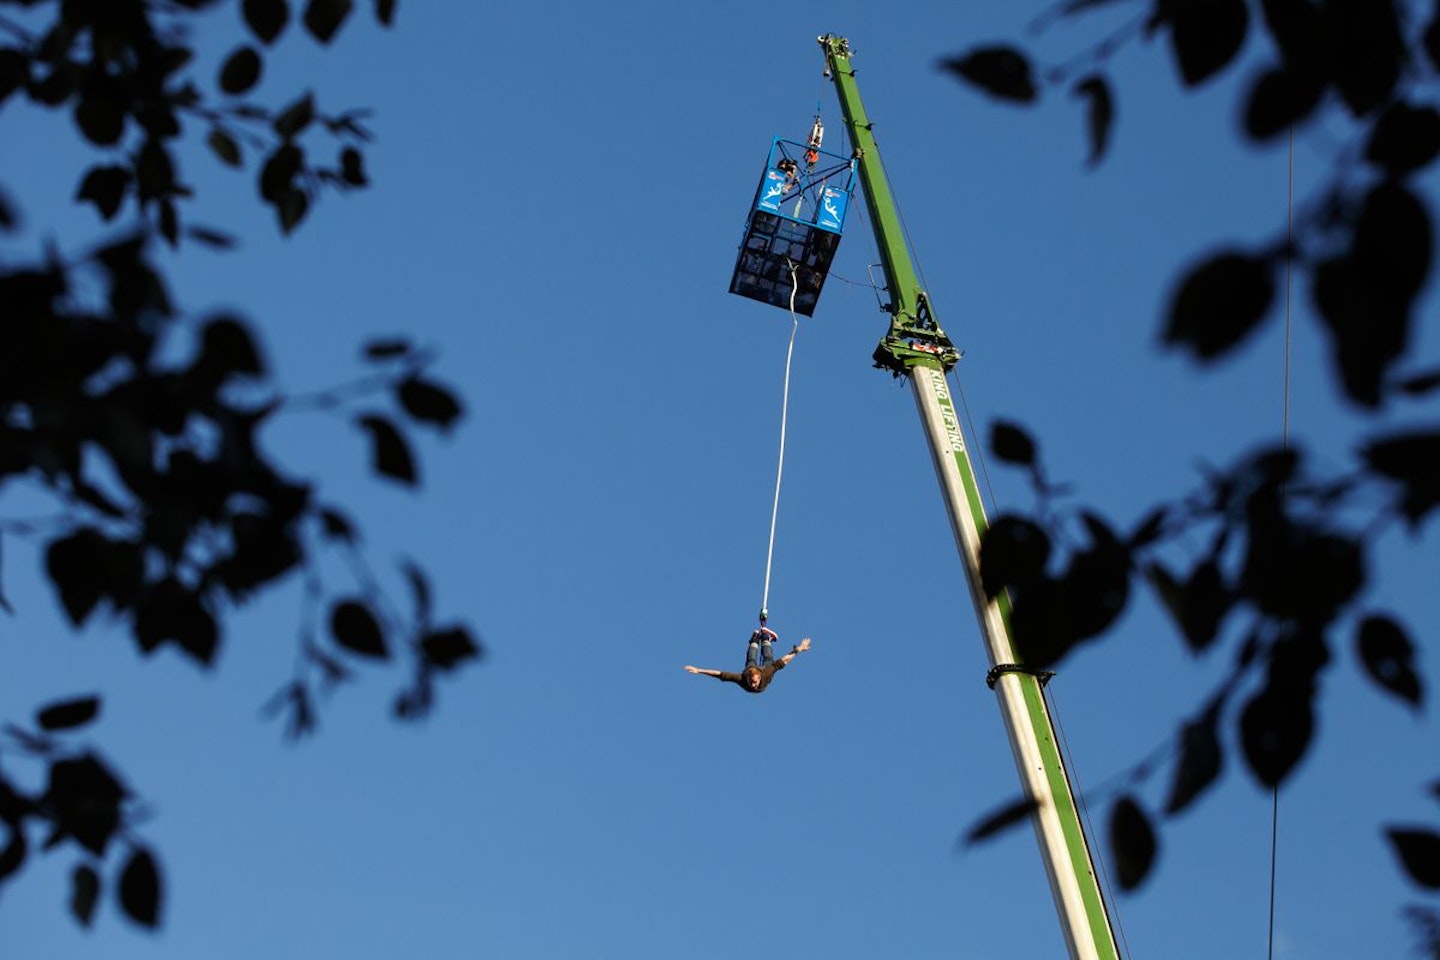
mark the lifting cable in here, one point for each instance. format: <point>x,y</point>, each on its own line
<point>1285,443</point>
<point>780,467</point>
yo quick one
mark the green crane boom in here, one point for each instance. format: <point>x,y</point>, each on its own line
<point>916,347</point>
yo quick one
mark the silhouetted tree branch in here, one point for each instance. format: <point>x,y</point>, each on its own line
<point>168,513</point>
<point>1281,576</point>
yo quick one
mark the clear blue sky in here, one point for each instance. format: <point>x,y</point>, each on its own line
<point>559,191</point>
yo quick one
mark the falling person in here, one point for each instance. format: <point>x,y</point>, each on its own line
<point>761,664</point>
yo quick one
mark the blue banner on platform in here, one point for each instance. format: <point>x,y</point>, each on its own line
<point>773,190</point>
<point>832,209</point>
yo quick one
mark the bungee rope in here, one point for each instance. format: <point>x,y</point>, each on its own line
<point>780,467</point>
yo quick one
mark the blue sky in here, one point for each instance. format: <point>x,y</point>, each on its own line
<point>559,191</point>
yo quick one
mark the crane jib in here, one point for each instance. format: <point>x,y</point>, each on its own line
<point>916,347</point>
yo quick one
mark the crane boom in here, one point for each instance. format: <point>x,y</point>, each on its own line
<point>916,347</point>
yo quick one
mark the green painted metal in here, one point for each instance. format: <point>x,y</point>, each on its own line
<point>917,347</point>
<point>915,336</point>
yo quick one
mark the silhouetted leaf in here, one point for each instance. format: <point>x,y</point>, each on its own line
<point>277,176</point>
<point>1205,35</point>
<point>1150,529</point>
<point>227,347</point>
<point>1199,605</point>
<point>16,849</point>
<point>1015,812</point>
<point>1298,29</point>
<point>356,629</point>
<point>84,798</point>
<point>1100,532</point>
<point>122,564</point>
<point>169,222</point>
<point>416,702</point>
<point>74,565</point>
<point>1281,98</point>
<point>1099,114</point>
<point>1271,468</point>
<point>1096,583</point>
<point>1413,461</point>
<point>100,119</point>
<point>140,888</point>
<point>225,147</point>
<point>1365,337</point>
<point>154,171</point>
<point>215,239</point>
<point>386,349</point>
<point>1368,51</point>
<point>1001,71</point>
<point>291,207</point>
<point>157,119</point>
<point>1011,444</point>
<point>295,118</point>
<point>1013,550</point>
<point>1419,852</point>
<point>170,611</point>
<point>352,167</point>
<point>420,589</point>
<point>105,187</point>
<point>1220,303</point>
<point>448,648</point>
<point>1393,244</point>
<point>54,88</point>
<point>427,402</point>
<point>14,72</point>
<point>1389,658</point>
<point>1275,730</point>
<point>1404,138</point>
<point>1041,622</point>
<point>84,893</point>
<point>1132,843</point>
<point>385,11</point>
<point>68,714</point>
<point>294,700</point>
<point>337,525</point>
<point>266,18</point>
<point>324,17</point>
<point>1419,384</point>
<point>241,71</point>
<point>1201,760</point>
<point>264,549</point>
<point>1301,574</point>
<point>390,453</point>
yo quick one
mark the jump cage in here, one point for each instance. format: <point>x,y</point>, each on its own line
<point>794,224</point>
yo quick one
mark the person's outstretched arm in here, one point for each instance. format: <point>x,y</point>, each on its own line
<point>702,671</point>
<point>799,648</point>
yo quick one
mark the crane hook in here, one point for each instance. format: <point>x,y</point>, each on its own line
<point>817,136</point>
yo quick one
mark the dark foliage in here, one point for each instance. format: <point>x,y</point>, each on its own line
<point>1132,842</point>
<point>1002,72</point>
<point>169,514</point>
<point>1099,113</point>
<point>1268,558</point>
<point>1419,853</point>
<point>1201,760</point>
<point>1018,811</point>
